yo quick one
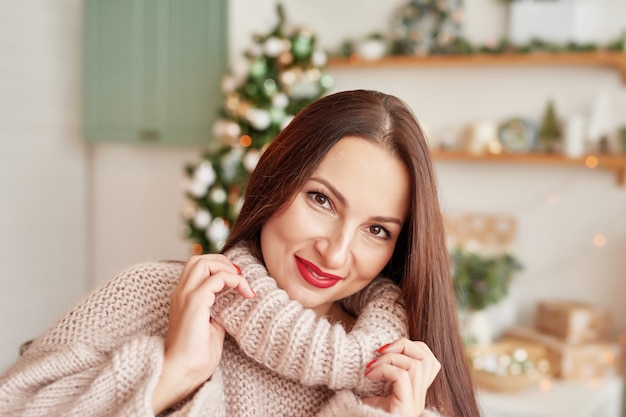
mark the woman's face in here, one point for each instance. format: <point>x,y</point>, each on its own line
<point>342,226</point>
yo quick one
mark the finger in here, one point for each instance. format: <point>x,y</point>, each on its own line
<point>399,378</point>
<point>217,283</point>
<point>413,357</point>
<point>396,359</point>
<point>199,269</point>
<point>411,348</point>
<point>206,263</point>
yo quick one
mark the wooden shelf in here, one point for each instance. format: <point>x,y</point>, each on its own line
<point>613,59</point>
<point>615,163</point>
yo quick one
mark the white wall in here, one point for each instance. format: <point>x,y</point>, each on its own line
<point>43,168</point>
<point>72,215</point>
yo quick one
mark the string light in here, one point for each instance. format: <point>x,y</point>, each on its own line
<point>591,161</point>
<point>599,240</point>
<point>245,141</point>
<point>196,249</point>
<point>545,385</point>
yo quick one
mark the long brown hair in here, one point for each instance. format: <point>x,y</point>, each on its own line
<point>420,262</point>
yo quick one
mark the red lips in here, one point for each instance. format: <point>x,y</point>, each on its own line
<point>315,276</point>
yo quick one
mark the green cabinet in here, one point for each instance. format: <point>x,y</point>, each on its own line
<point>152,70</point>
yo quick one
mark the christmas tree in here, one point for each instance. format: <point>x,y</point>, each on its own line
<point>550,131</point>
<point>284,72</point>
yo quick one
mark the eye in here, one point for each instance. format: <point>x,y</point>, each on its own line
<point>320,199</point>
<point>379,231</point>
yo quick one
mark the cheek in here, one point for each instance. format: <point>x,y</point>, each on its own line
<point>371,262</point>
<point>286,227</point>
<point>298,222</point>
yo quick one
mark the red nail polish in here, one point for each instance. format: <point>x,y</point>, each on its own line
<point>237,268</point>
<point>370,363</point>
<point>367,371</point>
<point>382,348</point>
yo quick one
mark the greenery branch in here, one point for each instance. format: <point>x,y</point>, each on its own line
<point>480,280</point>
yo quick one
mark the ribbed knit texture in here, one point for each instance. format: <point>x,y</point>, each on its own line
<point>104,357</point>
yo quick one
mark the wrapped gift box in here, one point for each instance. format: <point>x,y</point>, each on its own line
<point>572,321</point>
<point>574,361</point>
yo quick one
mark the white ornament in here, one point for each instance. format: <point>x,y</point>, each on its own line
<point>189,211</point>
<point>204,173</point>
<point>197,188</point>
<point>202,219</point>
<point>218,231</point>
<point>280,100</point>
<point>319,58</point>
<point>218,195</point>
<point>219,128</point>
<point>273,46</point>
<point>229,83</point>
<point>306,86</point>
<point>286,121</point>
<point>230,163</point>
<point>233,130</point>
<point>251,159</point>
<point>259,119</point>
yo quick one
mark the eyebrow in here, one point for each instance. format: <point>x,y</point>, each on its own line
<point>342,200</point>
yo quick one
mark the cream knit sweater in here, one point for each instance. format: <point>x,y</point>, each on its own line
<point>104,357</point>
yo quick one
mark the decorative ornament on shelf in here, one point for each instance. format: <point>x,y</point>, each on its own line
<point>483,138</point>
<point>509,366</point>
<point>284,73</point>
<point>372,47</point>
<point>482,280</point>
<point>422,27</point>
<point>518,135</point>
<point>550,132</point>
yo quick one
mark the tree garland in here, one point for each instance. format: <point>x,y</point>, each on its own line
<point>285,72</point>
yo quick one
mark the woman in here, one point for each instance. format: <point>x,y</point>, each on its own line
<point>332,295</point>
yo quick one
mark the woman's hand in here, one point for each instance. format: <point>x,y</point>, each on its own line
<point>194,343</point>
<point>411,368</point>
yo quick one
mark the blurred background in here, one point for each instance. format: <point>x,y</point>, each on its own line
<point>73,213</point>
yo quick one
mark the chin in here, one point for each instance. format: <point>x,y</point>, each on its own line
<point>304,296</point>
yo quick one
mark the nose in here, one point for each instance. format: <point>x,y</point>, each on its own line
<point>335,247</point>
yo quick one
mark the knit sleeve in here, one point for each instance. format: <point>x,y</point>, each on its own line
<point>346,403</point>
<point>286,337</point>
<point>103,358</point>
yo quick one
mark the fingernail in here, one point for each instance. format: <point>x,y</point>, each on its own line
<point>237,268</point>
<point>370,363</point>
<point>253,292</point>
<point>367,371</point>
<point>382,348</point>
